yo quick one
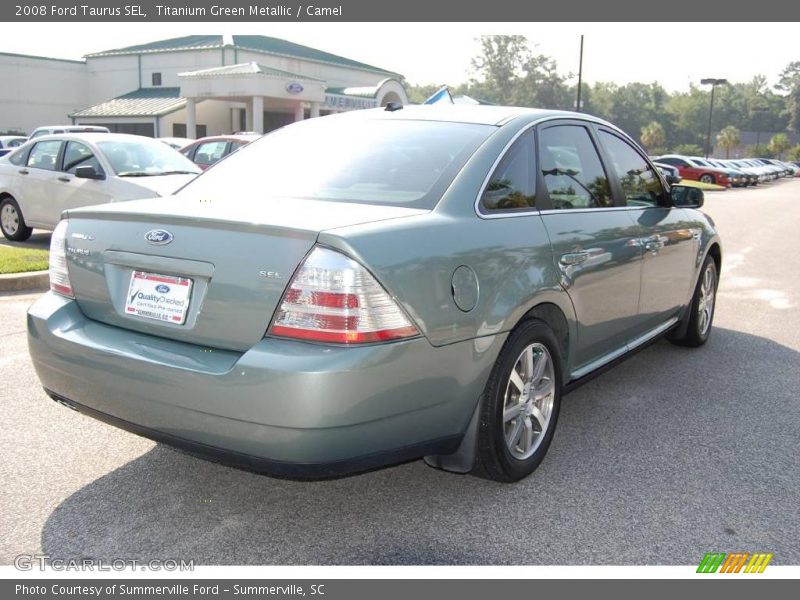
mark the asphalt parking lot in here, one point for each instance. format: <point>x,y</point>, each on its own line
<point>672,454</point>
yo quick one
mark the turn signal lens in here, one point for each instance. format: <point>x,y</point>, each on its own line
<point>332,298</point>
<point>59,276</point>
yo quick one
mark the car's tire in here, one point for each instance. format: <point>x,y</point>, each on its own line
<point>12,223</point>
<point>701,310</point>
<point>707,178</point>
<point>509,447</point>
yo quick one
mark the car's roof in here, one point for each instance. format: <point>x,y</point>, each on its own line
<point>463,113</point>
<point>230,136</point>
<point>101,127</point>
<point>89,136</point>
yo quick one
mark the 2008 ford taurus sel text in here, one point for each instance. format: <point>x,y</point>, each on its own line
<point>367,288</point>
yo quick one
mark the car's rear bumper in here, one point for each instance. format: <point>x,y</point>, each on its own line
<point>284,408</point>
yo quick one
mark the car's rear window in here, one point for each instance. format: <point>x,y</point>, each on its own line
<point>400,163</point>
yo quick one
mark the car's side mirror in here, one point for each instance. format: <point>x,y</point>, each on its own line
<point>684,196</point>
<point>88,172</point>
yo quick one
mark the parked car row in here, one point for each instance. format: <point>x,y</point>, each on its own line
<point>740,172</point>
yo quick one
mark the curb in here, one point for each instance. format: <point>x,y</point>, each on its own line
<point>19,282</point>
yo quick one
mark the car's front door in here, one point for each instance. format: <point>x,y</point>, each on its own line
<point>669,241</point>
<point>40,181</point>
<point>74,192</point>
<point>595,243</point>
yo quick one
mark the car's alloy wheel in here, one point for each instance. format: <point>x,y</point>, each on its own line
<point>701,311</point>
<point>520,405</point>
<point>9,217</point>
<point>707,178</point>
<point>11,221</point>
<point>528,401</point>
<point>705,305</point>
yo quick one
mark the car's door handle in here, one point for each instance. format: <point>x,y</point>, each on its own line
<point>64,179</point>
<point>573,258</point>
<point>23,171</point>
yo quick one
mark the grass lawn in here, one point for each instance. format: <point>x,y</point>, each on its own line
<point>22,260</point>
<point>709,187</point>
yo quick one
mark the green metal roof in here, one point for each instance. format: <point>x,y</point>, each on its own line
<point>250,68</point>
<point>257,43</point>
<point>144,102</point>
<point>66,60</point>
<point>186,42</point>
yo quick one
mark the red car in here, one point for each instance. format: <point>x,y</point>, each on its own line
<point>694,170</point>
<point>208,150</point>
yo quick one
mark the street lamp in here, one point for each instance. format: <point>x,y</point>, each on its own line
<point>713,83</point>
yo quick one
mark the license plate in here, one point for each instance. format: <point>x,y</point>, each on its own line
<point>159,297</point>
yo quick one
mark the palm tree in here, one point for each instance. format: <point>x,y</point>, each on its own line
<point>653,137</point>
<point>729,138</point>
<point>779,144</point>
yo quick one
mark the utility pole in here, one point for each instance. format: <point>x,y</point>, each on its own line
<point>580,78</point>
<point>713,83</point>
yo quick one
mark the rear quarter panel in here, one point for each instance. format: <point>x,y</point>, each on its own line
<point>416,258</point>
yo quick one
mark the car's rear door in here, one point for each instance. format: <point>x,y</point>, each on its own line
<point>595,243</point>
<point>668,240</point>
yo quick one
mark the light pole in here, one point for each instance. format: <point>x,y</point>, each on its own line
<point>580,78</point>
<point>713,83</point>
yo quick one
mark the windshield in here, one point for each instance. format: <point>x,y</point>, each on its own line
<point>146,158</point>
<point>341,159</point>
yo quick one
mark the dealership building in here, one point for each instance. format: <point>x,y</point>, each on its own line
<point>190,87</point>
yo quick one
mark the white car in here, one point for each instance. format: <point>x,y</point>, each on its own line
<point>58,172</point>
<point>9,142</point>
<point>58,129</point>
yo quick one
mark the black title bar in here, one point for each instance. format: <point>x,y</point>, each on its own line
<point>709,11</point>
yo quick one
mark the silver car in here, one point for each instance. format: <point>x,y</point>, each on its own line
<point>368,288</point>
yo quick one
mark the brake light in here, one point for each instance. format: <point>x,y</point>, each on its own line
<point>332,298</point>
<point>59,276</point>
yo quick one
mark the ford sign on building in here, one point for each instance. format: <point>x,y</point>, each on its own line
<point>294,88</point>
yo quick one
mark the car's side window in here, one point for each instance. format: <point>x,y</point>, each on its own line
<point>79,155</point>
<point>210,152</point>
<point>18,157</point>
<point>640,184</point>
<point>45,155</point>
<point>571,167</point>
<point>511,186</point>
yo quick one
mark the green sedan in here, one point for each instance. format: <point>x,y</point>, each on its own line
<point>374,287</point>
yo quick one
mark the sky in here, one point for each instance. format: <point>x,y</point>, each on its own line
<point>674,55</point>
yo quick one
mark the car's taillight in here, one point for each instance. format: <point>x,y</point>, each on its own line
<point>332,298</point>
<point>59,276</point>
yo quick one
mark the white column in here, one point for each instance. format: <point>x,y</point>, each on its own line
<point>314,110</point>
<point>191,118</point>
<point>299,112</point>
<point>258,114</point>
<point>248,116</point>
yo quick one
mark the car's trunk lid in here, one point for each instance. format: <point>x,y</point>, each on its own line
<point>239,256</point>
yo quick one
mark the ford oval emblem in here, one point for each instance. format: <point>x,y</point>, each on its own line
<point>294,88</point>
<point>162,289</point>
<point>159,237</point>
